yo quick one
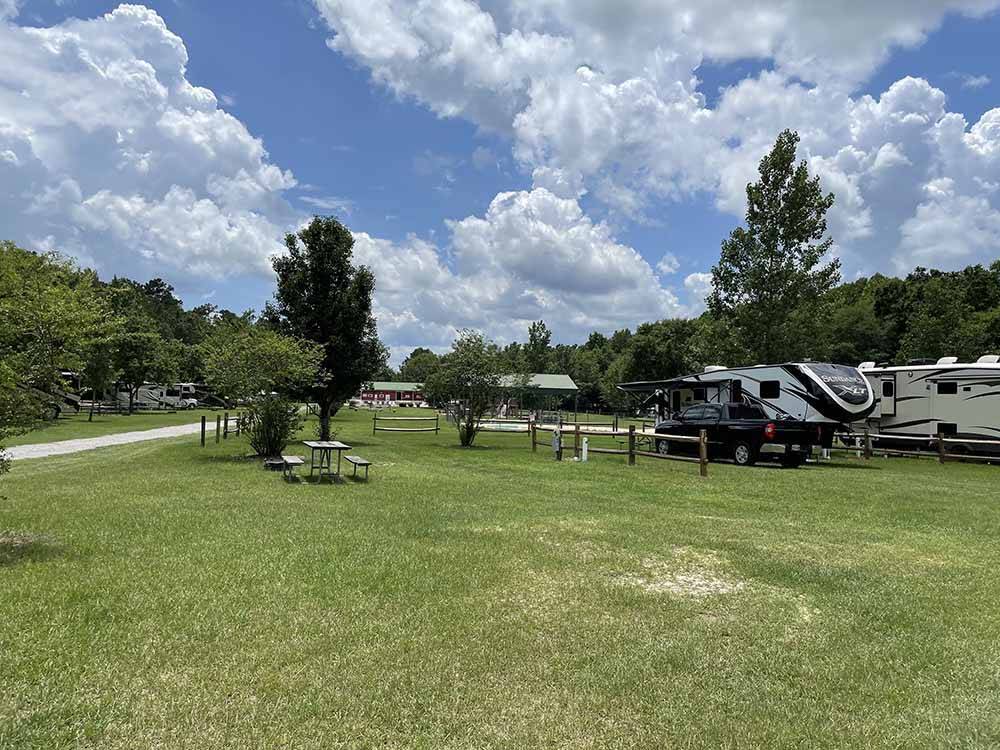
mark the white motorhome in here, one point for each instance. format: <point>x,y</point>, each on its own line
<point>156,396</point>
<point>825,394</point>
<point>923,399</point>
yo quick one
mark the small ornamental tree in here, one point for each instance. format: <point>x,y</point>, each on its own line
<point>260,367</point>
<point>469,381</point>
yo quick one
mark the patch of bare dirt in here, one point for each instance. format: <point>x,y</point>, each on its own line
<point>688,573</point>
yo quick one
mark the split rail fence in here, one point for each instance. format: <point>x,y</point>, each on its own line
<point>225,426</point>
<point>866,445</point>
<point>631,438</point>
<point>376,427</point>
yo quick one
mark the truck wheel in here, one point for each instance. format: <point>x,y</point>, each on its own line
<point>663,447</point>
<point>743,454</point>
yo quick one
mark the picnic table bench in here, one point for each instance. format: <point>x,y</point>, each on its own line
<point>357,461</point>
<point>288,464</point>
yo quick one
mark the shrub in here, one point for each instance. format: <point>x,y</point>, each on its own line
<point>271,422</point>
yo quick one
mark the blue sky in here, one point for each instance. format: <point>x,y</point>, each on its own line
<point>459,114</point>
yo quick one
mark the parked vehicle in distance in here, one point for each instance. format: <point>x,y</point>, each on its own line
<point>924,398</point>
<point>156,396</point>
<point>741,432</point>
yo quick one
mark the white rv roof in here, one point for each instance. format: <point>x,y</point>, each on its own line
<point>955,366</point>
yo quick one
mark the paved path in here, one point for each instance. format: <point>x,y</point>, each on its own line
<point>41,450</point>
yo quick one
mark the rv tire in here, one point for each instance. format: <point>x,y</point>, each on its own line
<point>744,454</point>
<point>663,447</point>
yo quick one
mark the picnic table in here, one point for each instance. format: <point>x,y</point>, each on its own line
<point>325,448</point>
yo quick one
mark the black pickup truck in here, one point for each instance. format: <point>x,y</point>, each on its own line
<point>741,432</point>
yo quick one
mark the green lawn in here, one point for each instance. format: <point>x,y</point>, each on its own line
<point>164,595</point>
<point>78,426</point>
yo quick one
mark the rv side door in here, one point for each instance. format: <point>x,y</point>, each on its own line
<point>887,395</point>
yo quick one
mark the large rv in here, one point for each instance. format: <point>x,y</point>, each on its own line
<point>154,396</point>
<point>924,398</point>
<point>824,394</point>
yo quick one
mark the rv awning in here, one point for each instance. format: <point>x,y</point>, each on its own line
<point>648,386</point>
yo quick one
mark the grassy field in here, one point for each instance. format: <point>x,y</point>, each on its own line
<point>164,595</point>
<point>78,426</point>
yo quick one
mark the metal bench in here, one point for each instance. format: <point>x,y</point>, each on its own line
<point>288,464</point>
<point>357,461</point>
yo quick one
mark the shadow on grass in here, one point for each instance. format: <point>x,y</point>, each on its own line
<point>213,458</point>
<point>837,466</point>
<point>16,546</point>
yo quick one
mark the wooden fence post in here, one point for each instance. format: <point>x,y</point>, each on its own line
<point>942,448</point>
<point>631,445</point>
<point>239,424</point>
<point>203,430</point>
<point>576,441</point>
<point>703,452</point>
<point>534,436</point>
<point>868,445</point>
<point>225,429</point>
<point>437,423</point>
<point>218,427</point>
<point>374,421</point>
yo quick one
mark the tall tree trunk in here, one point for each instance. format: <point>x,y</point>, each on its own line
<point>325,408</point>
<point>91,417</point>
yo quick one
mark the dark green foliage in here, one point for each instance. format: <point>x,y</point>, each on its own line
<point>271,421</point>
<point>419,365</point>
<point>770,279</point>
<point>50,315</point>
<point>322,297</point>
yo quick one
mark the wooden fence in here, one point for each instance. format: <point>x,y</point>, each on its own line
<point>225,426</point>
<point>630,438</point>
<point>936,445</point>
<point>376,419</point>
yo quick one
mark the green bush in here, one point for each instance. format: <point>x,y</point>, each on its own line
<point>271,422</point>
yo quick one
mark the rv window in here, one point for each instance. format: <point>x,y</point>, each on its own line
<point>699,394</point>
<point>770,389</point>
<point>888,388</point>
<point>173,392</point>
<point>947,389</point>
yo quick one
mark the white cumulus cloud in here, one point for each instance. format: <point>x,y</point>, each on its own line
<point>110,153</point>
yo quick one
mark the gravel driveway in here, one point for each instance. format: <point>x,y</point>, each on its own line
<point>41,450</point>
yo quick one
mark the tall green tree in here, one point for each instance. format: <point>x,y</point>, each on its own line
<point>538,350</point>
<point>324,298</point>
<point>771,277</point>
<point>49,314</point>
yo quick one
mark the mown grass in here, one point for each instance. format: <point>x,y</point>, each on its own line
<point>75,426</point>
<point>164,595</point>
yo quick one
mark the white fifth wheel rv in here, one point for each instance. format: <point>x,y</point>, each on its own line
<point>960,400</point>
<point>824,394</point>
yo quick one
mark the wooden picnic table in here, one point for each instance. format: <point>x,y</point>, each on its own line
<point>325,449</point>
